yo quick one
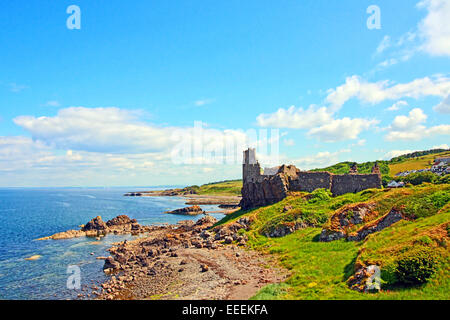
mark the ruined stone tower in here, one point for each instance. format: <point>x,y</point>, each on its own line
<point>376,169</point>
<point>251,170</point>
<point>354,168</point>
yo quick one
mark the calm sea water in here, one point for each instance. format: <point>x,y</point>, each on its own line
<point>28,214</point>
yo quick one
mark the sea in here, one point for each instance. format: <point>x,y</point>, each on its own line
<point>28,214</point>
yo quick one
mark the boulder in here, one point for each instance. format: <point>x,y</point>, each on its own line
<point>188,211</point>
<point>95,224</point>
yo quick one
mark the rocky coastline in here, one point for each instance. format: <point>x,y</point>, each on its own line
<point>98,228</point>
<point>190,260</point>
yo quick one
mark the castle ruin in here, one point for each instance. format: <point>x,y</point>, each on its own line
<point>266,187</point>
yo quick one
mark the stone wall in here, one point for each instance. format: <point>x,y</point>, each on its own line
<point>352,183</point>
<point>260,190</point>
<point>310,181</point>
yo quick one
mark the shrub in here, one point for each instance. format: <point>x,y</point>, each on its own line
<point>416,266</point>
<point>443,179</point>
<point>320,195</point>
<point>419,178</point>
<point>340,204</point>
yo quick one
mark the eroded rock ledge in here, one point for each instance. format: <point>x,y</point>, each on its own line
<point>97,227</point>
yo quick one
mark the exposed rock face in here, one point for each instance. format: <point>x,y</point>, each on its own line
<point>387,220</point>
<point>285,229</point>
<point>95,224</point>
<point>366,279</point>
<point>344,219</point>
<point>120,220</point>
<point>97,227</point>
<point>189,211</point>
<point>352,215</point>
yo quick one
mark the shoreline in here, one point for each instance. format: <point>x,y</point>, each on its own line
<point>191,260</point>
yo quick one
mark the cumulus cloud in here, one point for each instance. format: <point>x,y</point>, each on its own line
<point>295,118</point>
<point>319,160</point>
<point>376,92</point>
<point>96,129</point>
<point>442,146</point>
<point>444,106</point>
<point>396,106</point>
<point>411,127</point>
<point>396,153</point>
<point>435,29</point>
<point>341,129</point>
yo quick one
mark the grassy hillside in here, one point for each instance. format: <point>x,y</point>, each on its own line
<point>225,188</point>
<point>397,165</point>
<point>320,270</point>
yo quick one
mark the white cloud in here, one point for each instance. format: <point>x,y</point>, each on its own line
<point>295,118</point>
<point>289,142</point>
<point>52,103</point>
<point>435,28</point>
<point>98,130</point>
<point>442,146</point>
<point>444,106</point>
<point>396,106</point>
<point>411,127</point>
<point>319,160</point>
<point>376,92</point>
<point>384,44</point>
<point>396,153</point>
<point>203,102</point>
<point>341,129</point>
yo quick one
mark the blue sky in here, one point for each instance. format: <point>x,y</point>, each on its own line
<point>98,106</point>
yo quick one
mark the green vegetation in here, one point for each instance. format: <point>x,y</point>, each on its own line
<point>415,161</point>
<point>413,255</point>
<point>225,188</point>
<point>366,167</point>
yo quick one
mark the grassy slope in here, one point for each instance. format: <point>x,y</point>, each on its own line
<point>226,188</point>
<point>320,270</point>
<point>416,163</point>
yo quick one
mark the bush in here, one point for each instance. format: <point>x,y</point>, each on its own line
<point>443,179</point>
<point>319,195</point>
<point>419,178</point>
<point>416,267</point>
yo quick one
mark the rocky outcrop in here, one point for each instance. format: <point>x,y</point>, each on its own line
<point>285,229</point>
<point>97,228</point>
<point>189,211</point>
<point>385,221</point>
<point>346,218</point>
<point>366,279</point>
<point>95,224</point>
<point>350,216</point>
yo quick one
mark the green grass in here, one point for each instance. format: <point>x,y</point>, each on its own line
<point>417,163</point>
<point>320,270</point>
<point>224,188</point>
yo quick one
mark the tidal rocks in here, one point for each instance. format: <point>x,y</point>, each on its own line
<point>95,224</point>
<point>98,228</point>
<point>188,211</point>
